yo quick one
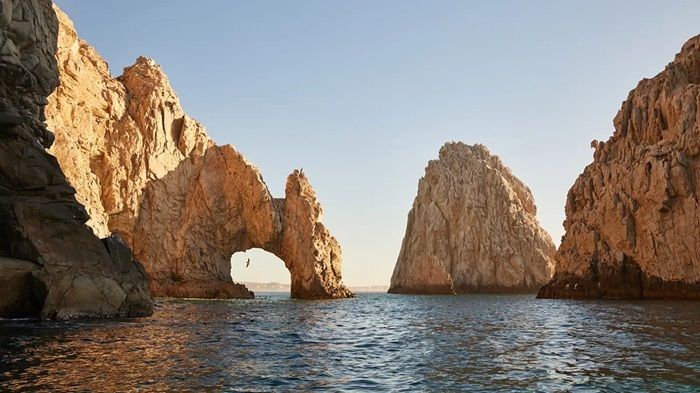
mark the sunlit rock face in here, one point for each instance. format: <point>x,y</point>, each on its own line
<point>311,254</point>
<point>51,263</point>
<point>472,228</point>
<point>149,172</point>
<point>632,217</point>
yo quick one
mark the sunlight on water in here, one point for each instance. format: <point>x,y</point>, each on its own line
<point>374,342</point>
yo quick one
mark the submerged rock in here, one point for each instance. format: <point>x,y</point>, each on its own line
<point>150,173</point>
<point>632,217</point>
<point>66,272</point>
<point>472,228</point>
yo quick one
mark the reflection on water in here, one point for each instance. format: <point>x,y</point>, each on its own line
<point>374,342</point>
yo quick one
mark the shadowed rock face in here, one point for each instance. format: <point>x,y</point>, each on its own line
<point>150,173</point>
<point>472,228</point>
<point>51,263</point>
<point>632,216</point>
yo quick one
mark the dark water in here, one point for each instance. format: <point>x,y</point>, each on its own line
<point>376,342</point>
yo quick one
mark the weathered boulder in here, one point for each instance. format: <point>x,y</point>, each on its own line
<point>632,217</point>
<point>40,219</point>
<point>150,173</point>
<point>472,228</point>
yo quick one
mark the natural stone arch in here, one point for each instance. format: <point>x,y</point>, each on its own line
<point>147,171</point>
<point>193,219</point>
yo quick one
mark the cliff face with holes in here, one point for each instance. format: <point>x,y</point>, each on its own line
<point>147,171</point>
<point>472,228</point>
<point>632,217</point>
<point>51,263</point>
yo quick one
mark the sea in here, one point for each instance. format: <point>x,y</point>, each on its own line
<point>373,343</point>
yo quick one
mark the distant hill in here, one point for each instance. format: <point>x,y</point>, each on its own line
<point>278,287</point>
<point>267,286</point>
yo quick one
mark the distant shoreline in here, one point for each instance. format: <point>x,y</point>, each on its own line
<point>278,287</point>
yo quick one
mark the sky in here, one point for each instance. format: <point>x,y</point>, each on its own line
<point>362,94</point>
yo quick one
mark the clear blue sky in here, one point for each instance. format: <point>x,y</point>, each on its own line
<point>361,94</point>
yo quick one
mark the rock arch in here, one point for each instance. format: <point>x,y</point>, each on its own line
<point>265,271</point>
<point>147,171</point>
<point>193,219</point>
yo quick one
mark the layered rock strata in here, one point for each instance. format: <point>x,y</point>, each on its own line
<point>150,173</point>
<point>632,217</point>
<point>472,228</point>
<point>51,263</point>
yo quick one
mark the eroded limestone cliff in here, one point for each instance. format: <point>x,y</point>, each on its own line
<point>150,173</point>
<point>632,217</point>
<point>472,228</point>
<point>51,263</point>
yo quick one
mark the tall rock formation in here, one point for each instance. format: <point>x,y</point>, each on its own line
<point>632,217</point>
<point>147,171</point>
<point>472,228</point>
<point>310,253</point>
<point>51,263</point>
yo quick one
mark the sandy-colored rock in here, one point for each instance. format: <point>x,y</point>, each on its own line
<point>70,273</point>
<point>138,131</point>
<point>472,228</point>
<point>150,173</point>
<point>20,294</point>
<point>310,253</point>
<point>632,217</point>
<point>193,219</point>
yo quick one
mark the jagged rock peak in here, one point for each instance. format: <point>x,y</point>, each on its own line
<point>472,228</point>
<point>456,153</point>
<point>138,131</point>
<point>632,216</point>
<point>146,77</point>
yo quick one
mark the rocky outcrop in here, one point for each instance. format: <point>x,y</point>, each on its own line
<point>310,253</point>
<point>150,173</point>
<point>51,263</point>
<point>136,132</point>
<point>632,217</point>
<point>472,228</point>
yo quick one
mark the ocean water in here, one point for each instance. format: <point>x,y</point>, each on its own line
<point>376,342</point>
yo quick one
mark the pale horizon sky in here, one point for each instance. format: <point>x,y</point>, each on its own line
<point>362,94</point>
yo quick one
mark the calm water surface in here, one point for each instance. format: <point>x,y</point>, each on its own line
<point>376,342</point>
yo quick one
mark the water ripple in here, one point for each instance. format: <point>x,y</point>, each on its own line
<point>375,342</point>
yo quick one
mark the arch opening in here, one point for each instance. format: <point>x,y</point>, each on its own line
<point>260,271</point>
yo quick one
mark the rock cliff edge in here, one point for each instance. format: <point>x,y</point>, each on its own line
<point>51,263</point>
<point>632,217</point>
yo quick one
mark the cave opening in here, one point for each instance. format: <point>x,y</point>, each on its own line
<point>260,271</point>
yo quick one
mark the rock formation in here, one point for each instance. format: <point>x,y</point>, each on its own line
<point>150,173</point>
<point>311,254</point>
<point>632,217</point>
<point>472,228</point>
<point>51,263</point>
